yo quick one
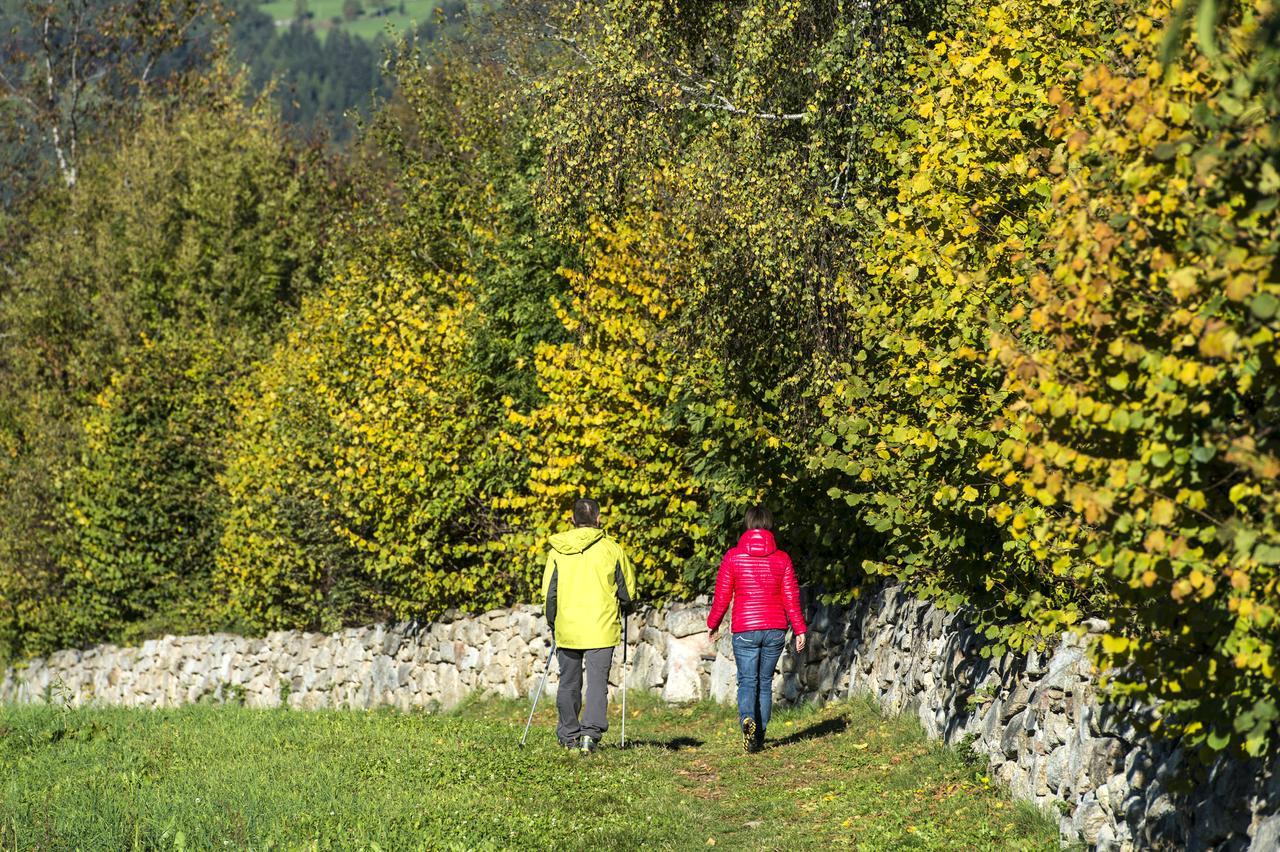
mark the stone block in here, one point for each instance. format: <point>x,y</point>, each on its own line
<point>467,659</point>
<point>392,640</point>
<point>1266,834</point>
<point>474,633</point>
<point>1014,736</point>
<point>724,680</point>
<point>687,622</point>
<point>682,681</point>
<point>646,668</point>
<point>1089,820</point>
<point>383,674</point>
<point>1057,769</point>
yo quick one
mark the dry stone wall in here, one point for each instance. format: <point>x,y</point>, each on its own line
<point>1035,719</point>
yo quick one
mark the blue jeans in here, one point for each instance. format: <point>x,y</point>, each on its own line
<point>756,653</point>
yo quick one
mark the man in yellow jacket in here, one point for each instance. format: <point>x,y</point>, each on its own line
<point>587,584</point>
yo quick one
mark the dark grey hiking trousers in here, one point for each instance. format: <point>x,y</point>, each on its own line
<point>594,719</point>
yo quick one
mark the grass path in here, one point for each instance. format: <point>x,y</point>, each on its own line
<point>211,777</point>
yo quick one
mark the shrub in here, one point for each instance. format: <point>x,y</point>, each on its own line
<point>603,430</point>
<point>144,503</point>
<point>1143,359</point>
<point>360,462</point>
<point>197,233</point>
<point>918,405</point>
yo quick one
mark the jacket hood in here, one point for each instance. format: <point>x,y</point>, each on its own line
<point>575,540</point>
<point>757,542</point>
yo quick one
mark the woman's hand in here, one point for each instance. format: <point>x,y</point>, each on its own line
<point>799,643</point>
<point>715,636</point>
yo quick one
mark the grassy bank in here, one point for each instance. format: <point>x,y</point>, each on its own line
<point>375,17</point>
<point>227,777</point>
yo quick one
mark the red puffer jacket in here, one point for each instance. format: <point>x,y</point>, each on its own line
<point>760,581</point>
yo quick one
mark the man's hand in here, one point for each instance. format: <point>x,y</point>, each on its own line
<point>715,636</point>
<point>800,643</point>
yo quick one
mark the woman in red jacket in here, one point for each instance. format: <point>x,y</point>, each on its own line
<point>759,579</point>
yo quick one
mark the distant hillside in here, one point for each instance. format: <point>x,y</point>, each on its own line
<point>367,19</point>
<point>325,55</point>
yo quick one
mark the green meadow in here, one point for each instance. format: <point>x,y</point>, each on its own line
<point>221,777</point>
<point>376,17</point>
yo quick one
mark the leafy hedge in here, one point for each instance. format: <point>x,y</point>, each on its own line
<point>1068,407</point>
<point>356,470</point>
<point>141,297</point>
<point>1145,368</point>
<point>604,428</point>
<point>144,503</point>
<point>919,405</point>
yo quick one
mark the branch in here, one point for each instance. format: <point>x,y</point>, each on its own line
<point>194,15</point>
<point>55,137</point>
<point>724,105</point>
<point>16,94</point>
<point>77,88</point>
<point>698,89</point>
<point>572,43</point>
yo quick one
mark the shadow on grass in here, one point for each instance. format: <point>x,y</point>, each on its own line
<point>825,728</point>
<point>674,744</point>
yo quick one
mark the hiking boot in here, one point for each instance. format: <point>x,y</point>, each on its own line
<point>570,744</point>
<point>750,743</point>
<point>588,745</point>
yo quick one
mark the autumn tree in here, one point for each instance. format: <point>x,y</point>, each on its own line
<point>70,71</point>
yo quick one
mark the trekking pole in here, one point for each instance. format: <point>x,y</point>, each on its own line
<point>624,681</point>
<point>538,693</point>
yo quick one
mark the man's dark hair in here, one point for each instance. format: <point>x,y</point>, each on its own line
<point>759,518</point>
<point>586,512</point>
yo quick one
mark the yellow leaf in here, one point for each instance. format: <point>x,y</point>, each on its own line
<point>1162,513</point>
<point>1115,644</point>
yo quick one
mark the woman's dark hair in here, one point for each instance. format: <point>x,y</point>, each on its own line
<point>759,518</point>
<point>586,512</point>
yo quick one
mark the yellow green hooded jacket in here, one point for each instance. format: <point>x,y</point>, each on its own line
<point>587,580</point>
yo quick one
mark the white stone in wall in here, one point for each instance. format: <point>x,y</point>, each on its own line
<point>724,680</point>
<point>683,681</point>
<point>687,621</point>
<point>468,659</point>
<point>644,668</point>
<point>450,687</point>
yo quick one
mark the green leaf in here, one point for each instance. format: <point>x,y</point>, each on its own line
<point>1206,21</point>
<point>1173,33</point>
<point>1264,305</point>
<point>1267,554</point>
<point>1217,741</point>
